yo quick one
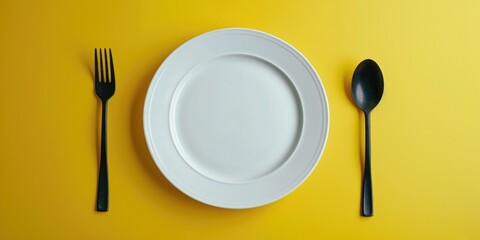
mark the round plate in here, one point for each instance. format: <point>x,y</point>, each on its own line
<point>236,118</point>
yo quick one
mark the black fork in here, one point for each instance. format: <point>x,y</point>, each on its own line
<point>105,88</point>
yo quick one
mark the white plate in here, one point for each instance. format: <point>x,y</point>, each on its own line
<point>236,118</point>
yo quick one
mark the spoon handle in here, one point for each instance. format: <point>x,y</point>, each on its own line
<point>367,196</point>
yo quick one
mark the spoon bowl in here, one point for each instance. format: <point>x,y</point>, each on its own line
<point>367,85</point>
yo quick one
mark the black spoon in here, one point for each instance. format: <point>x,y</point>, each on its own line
<point>367,90</point>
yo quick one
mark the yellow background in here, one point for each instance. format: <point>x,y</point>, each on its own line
<point>425,132</point>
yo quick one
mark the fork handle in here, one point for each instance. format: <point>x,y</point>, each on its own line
<point>102,190</point>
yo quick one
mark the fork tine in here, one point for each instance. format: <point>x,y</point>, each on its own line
<point>96,66</point>
<point>102,79</point>
<point>107,79</point>
<point>112,72</point>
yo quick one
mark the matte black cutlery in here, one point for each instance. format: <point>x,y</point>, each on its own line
<point>367,91</point>
<point>104,88</point>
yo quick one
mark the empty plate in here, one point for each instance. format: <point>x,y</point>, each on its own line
<point>236,118</point>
